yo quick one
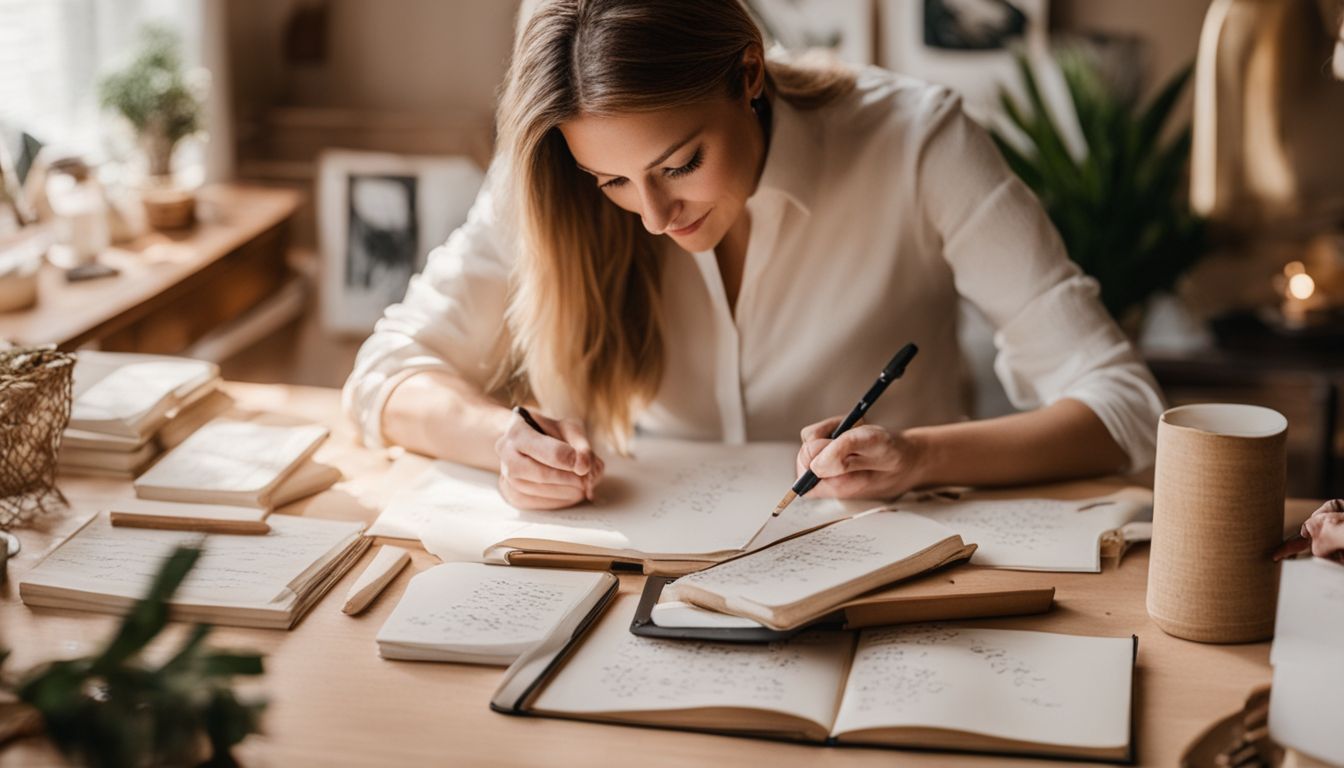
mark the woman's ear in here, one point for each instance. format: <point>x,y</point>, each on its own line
<point>753,73</point>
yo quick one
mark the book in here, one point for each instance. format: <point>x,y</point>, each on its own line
<point>485,614</point>
<point>926,686</point>
<point>1308,625</point>
<point>82,450</point>
<point>178,516</point>
<point>672,507</point>
<point>130,395</point>
<point>231,462</point>
<point>800,579</point>
<point>946,594</point>
<point>1041,534</point>
<point>126,462</point>
<point>265,581</point>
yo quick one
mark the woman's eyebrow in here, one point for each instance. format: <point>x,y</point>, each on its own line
<point>666,154</point>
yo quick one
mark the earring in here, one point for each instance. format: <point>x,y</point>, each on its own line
<point>758,102</point>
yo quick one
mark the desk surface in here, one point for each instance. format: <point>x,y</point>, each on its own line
<point>335,702</point>
<point>68,314</point>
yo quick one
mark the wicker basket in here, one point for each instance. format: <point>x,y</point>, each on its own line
<point>35,399</point>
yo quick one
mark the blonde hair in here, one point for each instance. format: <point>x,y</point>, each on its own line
<point>583,315</point>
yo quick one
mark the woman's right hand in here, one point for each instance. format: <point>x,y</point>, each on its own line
<point>550,471</point>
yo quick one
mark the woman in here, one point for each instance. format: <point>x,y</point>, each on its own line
<point>681,235</point>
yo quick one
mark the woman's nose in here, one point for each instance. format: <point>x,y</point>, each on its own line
<point>656,209</point>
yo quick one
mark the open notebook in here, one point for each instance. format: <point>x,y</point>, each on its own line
<point>925,686</point>
<point>486,614</point>
<point>1308,675</point>
<point>672,507</point>
<point>796,581</point>
<point>265,581</point>
<point>130,395</point>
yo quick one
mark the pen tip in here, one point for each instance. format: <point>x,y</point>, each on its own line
<point>784,502</point>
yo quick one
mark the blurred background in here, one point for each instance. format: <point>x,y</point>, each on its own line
<point>252,181</point>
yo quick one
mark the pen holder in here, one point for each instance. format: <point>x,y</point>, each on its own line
<point>1217,517</point>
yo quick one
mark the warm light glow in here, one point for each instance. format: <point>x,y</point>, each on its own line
<point>1294,268</point>
<point>1301,286</point>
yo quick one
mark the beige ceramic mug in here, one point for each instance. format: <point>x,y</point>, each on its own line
<point>1217,517</point>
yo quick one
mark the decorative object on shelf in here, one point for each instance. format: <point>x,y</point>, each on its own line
<point>35,398</point>
<point>1120,206</point>
<point>163,103</point>
<point>80,224</point>
<point>1218,495</point>
<point>378,216</point>
<point>20,260</point>
<point>112,709</point>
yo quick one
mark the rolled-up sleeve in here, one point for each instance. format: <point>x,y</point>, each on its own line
<point>1054,339</point>
<point>452,318</point>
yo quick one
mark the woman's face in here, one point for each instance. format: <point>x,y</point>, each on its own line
<point>687,172</point>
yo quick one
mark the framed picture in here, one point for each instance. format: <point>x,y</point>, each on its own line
<point>378,216</point>
<point>843,26</point>
<point>967,45</point>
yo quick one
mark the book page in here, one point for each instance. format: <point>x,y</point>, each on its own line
<point>233,456</point>
<point>616,671</point>
<point>679,615</point>
<point>814,563</point>
<point>671,497</point>
<point>233,570</point>
<point>1028,686</point>
<point>1033,534</point>
<point>472,606</point>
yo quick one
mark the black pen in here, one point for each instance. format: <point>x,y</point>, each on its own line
<point>894,370</point>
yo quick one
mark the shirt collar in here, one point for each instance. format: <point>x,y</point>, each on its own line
<point>792,162</point>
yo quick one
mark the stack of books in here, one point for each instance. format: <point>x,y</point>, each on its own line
<point>129,408</point>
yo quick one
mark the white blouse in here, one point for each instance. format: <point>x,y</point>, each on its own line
<point>873,215</point>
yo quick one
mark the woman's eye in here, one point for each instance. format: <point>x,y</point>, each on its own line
<point>687,168</point>
<point>612,184</point>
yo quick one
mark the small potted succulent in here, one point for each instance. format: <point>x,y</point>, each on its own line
<point>163,103</point>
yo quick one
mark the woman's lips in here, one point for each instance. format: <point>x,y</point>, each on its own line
<point>690,228</point>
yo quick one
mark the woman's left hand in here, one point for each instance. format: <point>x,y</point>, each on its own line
<point>867,462</point>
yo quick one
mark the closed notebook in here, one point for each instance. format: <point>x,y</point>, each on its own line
<point>924,686</point>
<point>485,614</point>
<point>265,581</point>
<point>231,462</point>
<point>946,594</point>
<point>798,580</point>
<point>131,395</point>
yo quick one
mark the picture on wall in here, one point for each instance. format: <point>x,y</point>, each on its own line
<point>379,215</point>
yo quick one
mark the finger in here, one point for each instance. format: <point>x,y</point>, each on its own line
<point>852,485</point>
<point>808,452</point>
<point>548,450</point>
<point>1333,505</point>
<point>821,429</point>
<point>520,500</point>
<point>572,432</point>
<point>1292,548</point>
<point>566,493</point>
<point>519,466</point>
<point>841,455</point>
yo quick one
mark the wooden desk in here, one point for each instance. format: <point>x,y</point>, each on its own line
<point>334,702</point>
<point>174,286</point>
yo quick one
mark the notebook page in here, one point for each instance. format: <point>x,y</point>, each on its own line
<point>1028,686</point>
<point>1033,534</point>
<point>114,390</point>
<point>1307,632</point>
<point>671,497</point>
<point>615,671</point>
<point>238,456</point>
<point>471,605</point>
<point>233,570</point>
<point>816,562</point>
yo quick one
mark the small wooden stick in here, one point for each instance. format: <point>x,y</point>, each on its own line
<point>385,566</point>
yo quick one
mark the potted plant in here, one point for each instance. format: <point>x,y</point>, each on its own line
<point>1120,207</point>
<point>164,105</point>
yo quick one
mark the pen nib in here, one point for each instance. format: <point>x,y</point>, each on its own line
<point>784,502</point>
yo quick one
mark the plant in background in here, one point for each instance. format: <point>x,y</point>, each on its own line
<point>113,710</point>
<point>156,96</point>
<point>1120,208</point>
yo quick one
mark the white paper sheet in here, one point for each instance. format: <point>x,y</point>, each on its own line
<point>236,457</point>
<point>1033,534</point>
<point>1308,673</point>
<point>671,498</point>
